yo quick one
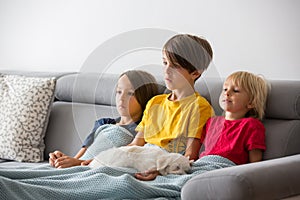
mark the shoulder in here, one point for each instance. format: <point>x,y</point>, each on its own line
<point>204,105</point>
<point>103,121</point>
<point>219,120</point>
<point>253,124</point>
<point>252,121</point>
<point>160,96</point>
<point>158,99</point>
<point>201,100</point>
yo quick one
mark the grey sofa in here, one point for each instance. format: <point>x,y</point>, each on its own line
<point>81,98</point>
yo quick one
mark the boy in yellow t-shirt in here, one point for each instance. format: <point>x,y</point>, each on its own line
<point>175,121</point>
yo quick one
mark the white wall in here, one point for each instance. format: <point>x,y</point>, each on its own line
<point>261,36</point>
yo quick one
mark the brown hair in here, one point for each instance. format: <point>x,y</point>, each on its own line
<point>144,85</point>
<point>256,87</point>
<point>188,51</point>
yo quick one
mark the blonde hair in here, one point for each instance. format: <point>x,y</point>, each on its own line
<point>256,87</point>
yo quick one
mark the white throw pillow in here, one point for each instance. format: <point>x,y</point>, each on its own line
<point>24,112</point>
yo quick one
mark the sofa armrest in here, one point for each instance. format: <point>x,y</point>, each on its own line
<point>272,179</point>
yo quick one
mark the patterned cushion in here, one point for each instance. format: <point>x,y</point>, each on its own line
<point>24,112</point>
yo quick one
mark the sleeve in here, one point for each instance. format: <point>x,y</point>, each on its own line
<point>256,139</point>
<point>90,138</point>
<point>140,127</point>
<point>199,119</point>
<point>204,131</point>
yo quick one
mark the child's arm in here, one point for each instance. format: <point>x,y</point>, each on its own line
<point>192,148</point>
<point>138,140</point>
<point>255,155</point>
<point>80,152</point>
<point>86,162</point>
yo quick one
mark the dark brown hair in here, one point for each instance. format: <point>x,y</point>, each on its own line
<point>144,85</point>
<point>188,51</point>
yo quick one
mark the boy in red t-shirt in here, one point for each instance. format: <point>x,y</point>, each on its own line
<point>239,135</point>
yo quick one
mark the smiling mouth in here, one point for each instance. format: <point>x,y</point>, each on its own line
<point>226,101</point>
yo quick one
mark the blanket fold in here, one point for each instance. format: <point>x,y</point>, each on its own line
<point>82,182</point>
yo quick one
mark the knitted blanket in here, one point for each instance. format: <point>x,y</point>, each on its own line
<point>106,137</point>
<point>81,182</point>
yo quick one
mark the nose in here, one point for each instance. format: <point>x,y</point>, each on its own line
<point>167,69</point>
<point>121,96</point>
<point>227,92</point>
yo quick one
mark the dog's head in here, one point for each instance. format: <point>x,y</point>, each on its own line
<point>173,163</point>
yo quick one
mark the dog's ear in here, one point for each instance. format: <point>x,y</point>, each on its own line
<point>191,161</point>
<point>162,164</point>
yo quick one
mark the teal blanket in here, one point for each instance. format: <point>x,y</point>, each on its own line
<point>106,137</point>
<point>81,182</point>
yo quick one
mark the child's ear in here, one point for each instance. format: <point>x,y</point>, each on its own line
<point>250,105</point>
<point>197,73</point>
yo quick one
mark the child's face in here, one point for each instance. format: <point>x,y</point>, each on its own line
<point>176,77</point>
<point>234,100</point>
<point>127,104</point>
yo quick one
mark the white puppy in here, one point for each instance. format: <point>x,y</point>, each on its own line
<point>143,159</point>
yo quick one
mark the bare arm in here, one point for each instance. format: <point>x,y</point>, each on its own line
<point>80,152</point>
<point>192,148</point>
<point>138,140</point>
<point>255,155</point>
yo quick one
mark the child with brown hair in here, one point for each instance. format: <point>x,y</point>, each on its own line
<point>175,121</point>
<point>239,135</point>
<point>134,89</point>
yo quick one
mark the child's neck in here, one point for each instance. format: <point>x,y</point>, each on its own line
<point>180,94</point>
<point>127,120</point>
<point>234,116</point>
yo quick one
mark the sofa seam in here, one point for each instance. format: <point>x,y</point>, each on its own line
<point>295,105</point>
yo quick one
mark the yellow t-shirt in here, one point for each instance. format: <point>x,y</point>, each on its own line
<point>168,124</point>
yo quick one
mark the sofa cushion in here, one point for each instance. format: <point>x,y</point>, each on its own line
<point>87,88</point>
<point>249,181</point>
<point>282,138</point>
<point>211,88</point>
<point>91,88</point>
<point>283,100</point>
<point>24,112</point>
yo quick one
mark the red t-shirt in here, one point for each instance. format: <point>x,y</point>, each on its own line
<point>233,139</point>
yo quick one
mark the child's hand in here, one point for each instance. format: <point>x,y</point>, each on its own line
<point>147,175</point>
<point>53,156</point>
<point>66,161</point>
<point>86,162</point>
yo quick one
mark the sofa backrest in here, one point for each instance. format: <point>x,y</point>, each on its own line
<point>83,98</point>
